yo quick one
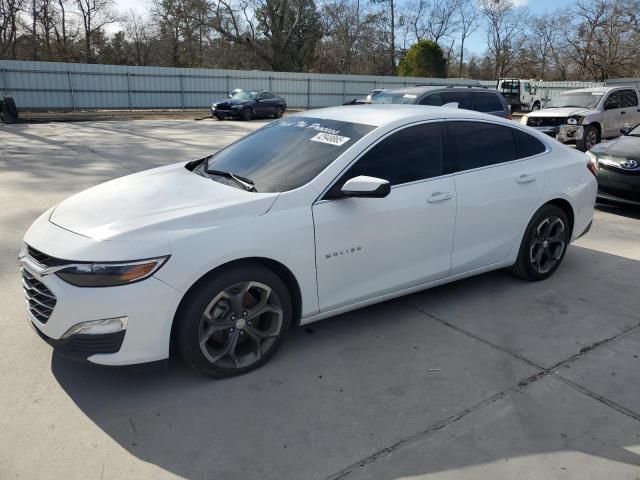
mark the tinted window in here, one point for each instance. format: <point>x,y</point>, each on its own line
<point>267,95</point>
<point>413,153</point>
<point>285,154</point>
<point>432,99</point>
<point>486,102</point>
<point>461,98</point>
<point>526,145</point>
<point>395,97</point>
<point>613,101</point>
<point>629,98</point>
<point>476,144</point>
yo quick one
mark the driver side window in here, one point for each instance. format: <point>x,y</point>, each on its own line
<point>613,101</point>
<point>413,153</point>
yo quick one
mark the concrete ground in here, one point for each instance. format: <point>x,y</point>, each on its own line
<point>490,377</point>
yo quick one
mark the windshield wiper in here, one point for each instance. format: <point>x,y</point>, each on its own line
<point>245,183</point>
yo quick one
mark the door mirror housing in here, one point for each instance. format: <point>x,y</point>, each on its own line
<point>625,130</point>
<point>368,187</point>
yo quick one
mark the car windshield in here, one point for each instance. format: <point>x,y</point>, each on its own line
<point>582,99</point>
<point>244,95</point>
<point>635,132</point>
<point>394,97</point>
<point>285,154</point>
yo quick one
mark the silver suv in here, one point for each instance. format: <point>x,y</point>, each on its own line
<point>588,115</point>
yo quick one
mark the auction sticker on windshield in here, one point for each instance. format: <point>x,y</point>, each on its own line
<point>329,138</point>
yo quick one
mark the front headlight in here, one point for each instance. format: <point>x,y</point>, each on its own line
<point>524,119</point>
<point>214,106</point>
<point>110,274</point>
<point>575,120</point>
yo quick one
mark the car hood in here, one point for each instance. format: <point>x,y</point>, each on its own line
<point>559,112</point>
<point>158,202</point>
<point>230,101</point>
<point>626,146</point>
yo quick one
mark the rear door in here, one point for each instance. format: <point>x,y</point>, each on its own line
<point>487,102</point>
<point>499,180</point>
<point>441,98</point>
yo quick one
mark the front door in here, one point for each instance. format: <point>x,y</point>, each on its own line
<point>612,117</point>
<point>367,247</point>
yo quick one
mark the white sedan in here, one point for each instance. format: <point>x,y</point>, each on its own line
<point>310,216</point>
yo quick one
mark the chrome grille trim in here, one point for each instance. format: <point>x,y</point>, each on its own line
<point>39,299</point>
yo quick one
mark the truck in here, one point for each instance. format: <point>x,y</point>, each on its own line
<point>521,95</point>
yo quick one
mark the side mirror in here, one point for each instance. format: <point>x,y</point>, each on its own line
<point>368,187</point>
<point>625,130</point>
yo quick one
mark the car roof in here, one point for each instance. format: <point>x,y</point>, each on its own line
<point>431,88</point>
<point>378,115</point>
<point>597,89</point>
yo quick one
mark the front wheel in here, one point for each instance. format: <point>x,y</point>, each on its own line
<point>544,244</point>
<point>536,107</point>
<point>235,321</point>
<point>590,138</point>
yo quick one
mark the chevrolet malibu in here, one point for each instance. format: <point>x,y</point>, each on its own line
<point>308,217</point>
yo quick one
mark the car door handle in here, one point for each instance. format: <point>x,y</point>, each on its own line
<point>439,197</point>
<point>526,178</point>
<point>622,113</point>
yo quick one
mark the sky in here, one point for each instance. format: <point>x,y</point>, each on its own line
<point>476,43</point>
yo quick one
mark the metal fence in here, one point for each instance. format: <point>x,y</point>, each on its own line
<point>75,86</point>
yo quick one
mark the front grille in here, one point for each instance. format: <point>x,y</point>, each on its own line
<point>620,170</point>
<point>43,258</point>
<point>546,121</point>
<point>40,300</point>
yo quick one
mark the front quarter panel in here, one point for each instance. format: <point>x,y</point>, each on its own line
<point>284,234</point>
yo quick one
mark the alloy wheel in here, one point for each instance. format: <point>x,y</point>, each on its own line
<point>591,139</point>
<point>240,325</point>
<point>548,244</point>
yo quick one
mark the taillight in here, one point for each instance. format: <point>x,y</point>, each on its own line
<point>592,164</point>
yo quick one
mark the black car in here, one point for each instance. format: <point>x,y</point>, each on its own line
<point>248,105</point>
<point>618,163</point>
<point>469,98</point>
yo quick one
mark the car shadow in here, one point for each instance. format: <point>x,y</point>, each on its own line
<point>620,209</point>
<point>352,385</point>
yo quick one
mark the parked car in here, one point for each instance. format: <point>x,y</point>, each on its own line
<point>308,217</point>
<point>588,115</point>
<point>521,95</point>
<point>618,164</point>
<point>469,98</point>
<point>248,105</point>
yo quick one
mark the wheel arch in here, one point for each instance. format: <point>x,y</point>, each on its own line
<point>276,267</point>
<point>597,127</point>
<point>566,207</point>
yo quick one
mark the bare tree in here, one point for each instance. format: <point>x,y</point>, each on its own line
<point>506,34</point>
<point>9,17</point>
<point>467,23</point>
<point>94,15</point>
<point>138,31</point>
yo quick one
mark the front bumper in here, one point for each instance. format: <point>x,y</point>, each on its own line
<point>564,133</point>
<point>618,186</point>
<point>149,305</point>
<point>234,112</point>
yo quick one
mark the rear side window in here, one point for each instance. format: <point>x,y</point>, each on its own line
<point>461,98</point>
<point>526,145</point>
<point>478,144</point>
<point>432,99</point>
<point>486,102</point>
<point>629,98</point>
<point>413,153</point>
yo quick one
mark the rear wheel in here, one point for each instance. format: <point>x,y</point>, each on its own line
<point>234,322</point>
<point>544,244</point>
<point>535,107</point>
<point>279,112</point>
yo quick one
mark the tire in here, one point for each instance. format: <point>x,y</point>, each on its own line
<point>279,112</point>
<point>549,233</point>
<point>218,117</point>
<point>535,107</point>
<point>247,114</point>
<point>216,330</point>
<point>11,106</point>
<point>590,138</point>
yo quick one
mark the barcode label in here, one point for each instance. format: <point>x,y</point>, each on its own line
<point>330,139</point>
